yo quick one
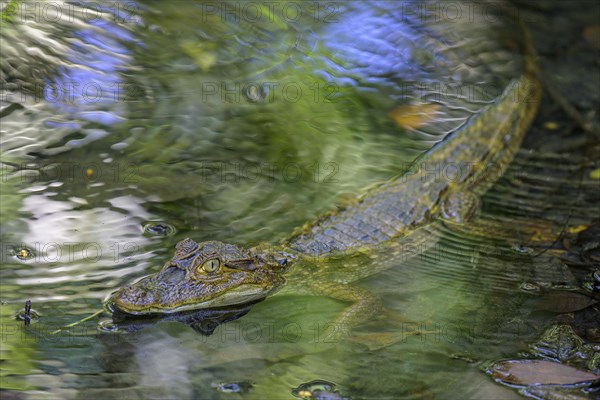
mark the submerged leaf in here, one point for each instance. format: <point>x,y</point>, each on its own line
<point>538,372</point>
<point>413,116</point>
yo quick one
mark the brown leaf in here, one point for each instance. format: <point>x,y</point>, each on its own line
<point>531,372</point>
<point>564,301</point>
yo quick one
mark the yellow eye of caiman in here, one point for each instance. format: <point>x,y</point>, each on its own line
<point>211,265</point>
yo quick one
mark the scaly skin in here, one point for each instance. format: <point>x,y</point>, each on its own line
<point>241,277</point>
<point>369,234</point>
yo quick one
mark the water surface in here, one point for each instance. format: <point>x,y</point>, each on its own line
<point>154,122</point>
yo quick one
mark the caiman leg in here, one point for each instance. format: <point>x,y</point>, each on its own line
<point>461,214</point>
<point>364,305</point>
<point>527,232</point>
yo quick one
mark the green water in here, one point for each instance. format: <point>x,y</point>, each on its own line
<point>159,113</point>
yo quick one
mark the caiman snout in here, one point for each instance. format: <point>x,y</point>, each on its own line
<point>132,297</point>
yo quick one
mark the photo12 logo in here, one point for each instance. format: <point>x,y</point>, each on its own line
<point>58,12</point>
<point>66,252</point>
<point>271,11</point>
<point>71,172</point>
<point>269,92</point>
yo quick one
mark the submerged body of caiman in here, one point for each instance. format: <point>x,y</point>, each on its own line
<point>443,186</point>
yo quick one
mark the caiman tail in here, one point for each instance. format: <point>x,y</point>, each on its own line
<point>447,181</point>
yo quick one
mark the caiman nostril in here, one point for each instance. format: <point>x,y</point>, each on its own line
<point>282,261</point>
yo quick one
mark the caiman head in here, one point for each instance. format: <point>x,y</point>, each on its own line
<point>204,275</point>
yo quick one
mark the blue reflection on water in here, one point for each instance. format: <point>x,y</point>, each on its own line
<point>89,86</point>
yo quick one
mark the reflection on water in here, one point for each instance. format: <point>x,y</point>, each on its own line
<point>126,132</point>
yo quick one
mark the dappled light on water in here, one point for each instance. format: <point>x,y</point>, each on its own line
<point>127,133</point>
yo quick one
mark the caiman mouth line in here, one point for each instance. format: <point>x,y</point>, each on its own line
<point>240,295</point>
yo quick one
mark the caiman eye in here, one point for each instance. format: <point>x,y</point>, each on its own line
<point>211,265</point>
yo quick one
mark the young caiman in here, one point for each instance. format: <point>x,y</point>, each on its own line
<point>374,231</point>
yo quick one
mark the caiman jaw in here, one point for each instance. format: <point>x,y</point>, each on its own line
<point>184,283</point>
